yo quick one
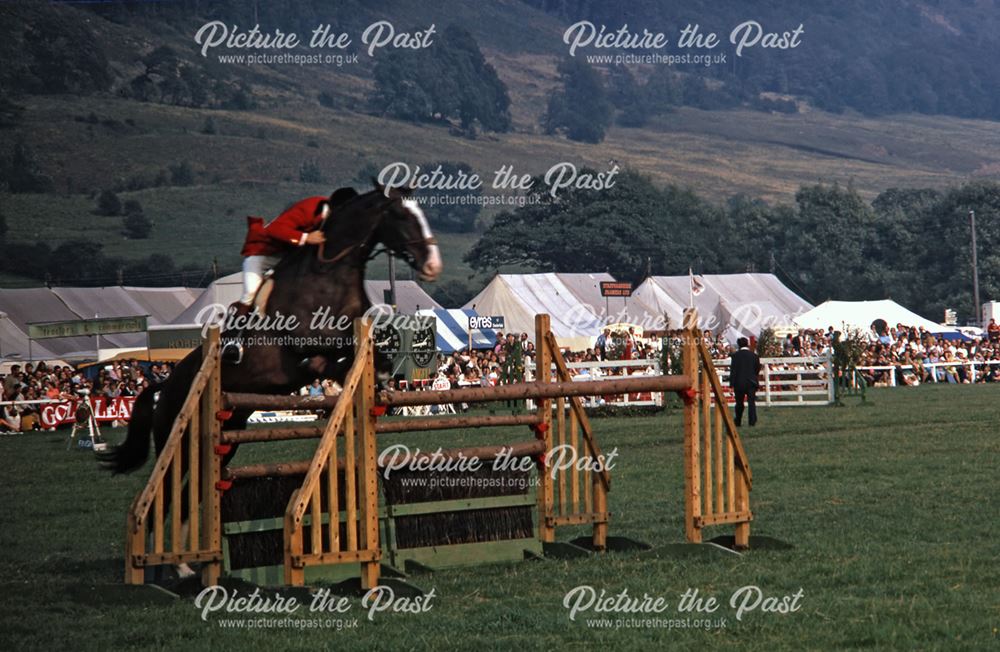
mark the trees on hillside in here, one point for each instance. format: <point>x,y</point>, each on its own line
<point>108,204</point>
<point>910,245</point>
<point>580,108</point>
<point>449,80</point>
<point>619,230</point>
<point>22,172</point>
<point>451,212</point>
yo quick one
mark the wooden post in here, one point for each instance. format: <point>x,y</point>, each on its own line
<point>743,506</point>
<point>294,575</point>
<point>175,497</point>
<point>350,478</point>
<point>692,445</point>
<point>561,427</point>
<point>211,466</point>
<point>600,530</point>
<point>574,485</point>
<point>705,399</point>
<point>543,374</point>
<point>135,544</point>
<point>718,451</point>
<point>364,398</point>
<point>333,493</point>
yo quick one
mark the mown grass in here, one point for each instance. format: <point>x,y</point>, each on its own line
<point>891,508</point>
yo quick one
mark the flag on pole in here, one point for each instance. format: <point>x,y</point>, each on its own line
<point>697,287</point>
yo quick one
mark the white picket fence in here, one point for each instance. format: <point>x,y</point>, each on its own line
<point>801,381</point>
<point>790,381</point>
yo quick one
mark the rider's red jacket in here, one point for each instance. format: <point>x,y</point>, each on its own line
<point>285,231</point>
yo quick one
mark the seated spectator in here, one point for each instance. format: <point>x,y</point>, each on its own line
<point>316,388</point>
<point>10,419</point>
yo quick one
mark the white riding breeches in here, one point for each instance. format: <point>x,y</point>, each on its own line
<point>254,269</point>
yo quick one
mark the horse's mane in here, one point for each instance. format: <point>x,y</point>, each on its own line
<point>352,211</point>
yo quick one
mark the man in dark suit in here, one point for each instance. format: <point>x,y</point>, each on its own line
<point>744,366</point>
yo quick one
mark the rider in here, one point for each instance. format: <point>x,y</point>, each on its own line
<point>265,244</point>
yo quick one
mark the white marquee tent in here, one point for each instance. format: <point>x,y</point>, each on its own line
<point>519,297</point>
<point>735,304</point>
<point>859,315</point>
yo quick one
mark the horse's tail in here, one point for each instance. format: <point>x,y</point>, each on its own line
<point>132,453</point>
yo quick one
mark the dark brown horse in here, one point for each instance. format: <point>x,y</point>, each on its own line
<point>330,279</point>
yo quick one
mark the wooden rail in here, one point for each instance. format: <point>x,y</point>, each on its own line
<point>243,401</point>
<point>536,390</point>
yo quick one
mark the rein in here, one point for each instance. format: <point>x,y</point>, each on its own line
<point>321,250</point>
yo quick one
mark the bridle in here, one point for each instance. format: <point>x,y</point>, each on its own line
<point>363,244</point>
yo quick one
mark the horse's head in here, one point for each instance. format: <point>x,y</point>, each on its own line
<point>404,231</point>
<point>389,218</point>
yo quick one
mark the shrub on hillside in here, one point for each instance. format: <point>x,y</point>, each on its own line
<point>309,172</point>
<point>181,174</point>
<point>108,204</point>
<point>136,226</point>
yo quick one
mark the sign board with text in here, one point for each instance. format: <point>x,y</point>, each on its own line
<point>78,327</point>
<point>105,410</point>
<point>481,322</point>
<point>175,337</point>
<point>615,289</point>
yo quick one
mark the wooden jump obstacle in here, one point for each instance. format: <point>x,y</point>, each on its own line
<point>331,517</point>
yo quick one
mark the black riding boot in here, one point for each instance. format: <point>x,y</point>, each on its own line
<point>232,342</point>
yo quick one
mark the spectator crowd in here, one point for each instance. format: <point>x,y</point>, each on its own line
<point>905,355</point>
<point>511,359</point>
<point>27,388</point>
<point>890,355</point>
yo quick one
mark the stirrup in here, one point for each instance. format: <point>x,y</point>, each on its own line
<point>232,352</point>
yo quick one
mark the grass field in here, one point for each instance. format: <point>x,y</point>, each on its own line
<point>891,508</point>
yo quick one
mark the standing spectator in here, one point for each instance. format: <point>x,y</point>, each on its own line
<point>993,331</point>
<point>602,343</point>
<point>744,366</point>
<point>11,381</point>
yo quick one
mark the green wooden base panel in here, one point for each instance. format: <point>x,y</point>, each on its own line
<point>466,554</point>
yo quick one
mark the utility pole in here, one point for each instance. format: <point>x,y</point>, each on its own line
<point>215,268</point>
<point>977,318</point>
